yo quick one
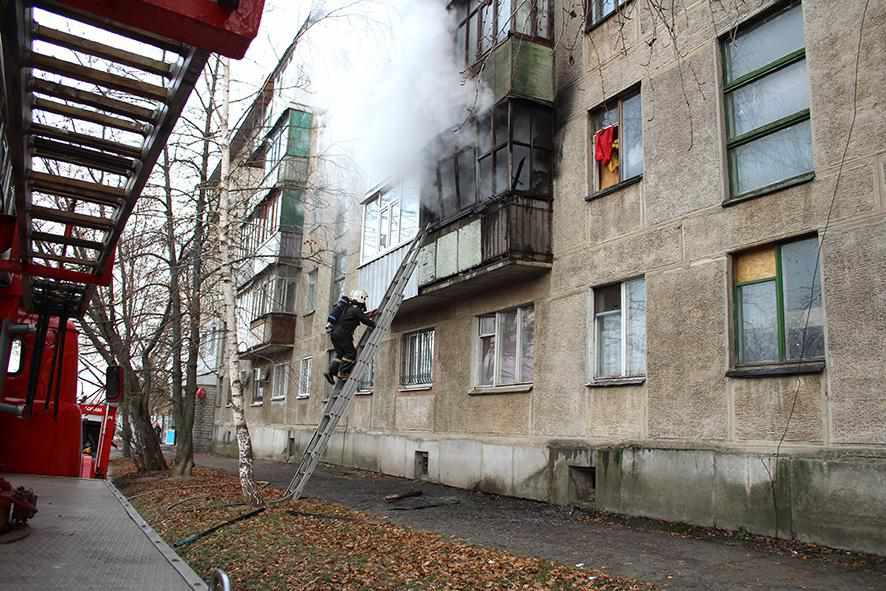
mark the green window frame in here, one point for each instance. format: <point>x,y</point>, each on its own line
<point>783,352</point>
<point>796,122</point>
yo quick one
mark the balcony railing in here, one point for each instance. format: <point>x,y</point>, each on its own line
<point>376,275</point>
<point>271,333</point>
<point>508,232</point>
<point>283,245</point>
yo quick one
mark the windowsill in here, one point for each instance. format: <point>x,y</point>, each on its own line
<point>774,371</point>
<point>302,397</point>
<point>591,26</point>
<point>769,189</point>
<point>615,188</point>
<point>419,388</point>
<point>613,382</point>
<point>261,403</point>
<point>363,393</point>
<point>281,399</point>
<point>310,313</point>
<point>487,390</point>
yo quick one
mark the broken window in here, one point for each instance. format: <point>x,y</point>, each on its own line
<point>505,347</point>
<point>779,315</point>
<point>417,367</point>
<point>766,90</point>
<point>616,141</point>
<point>618,344</point>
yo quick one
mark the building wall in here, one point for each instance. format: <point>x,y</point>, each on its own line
<point>688,442</point>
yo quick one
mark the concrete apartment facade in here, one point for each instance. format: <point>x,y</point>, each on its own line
<point>692,333</point>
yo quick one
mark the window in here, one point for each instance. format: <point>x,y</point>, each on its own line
<point>766,90</point>
<point>280,385</point>
<point>339,266</point>
<point>304,378</point>
<point>506,347</point>
<point>311,295</point>
<point>390,218</point>
<point>15,357</point>
<point>418,358</point>
<point>259,375</point>
<point>261,224</point>
<point>596,11</point>
<point>616,152</point>
<point>778,307</point>
<point>483,24</point>
<point>367,381</point>
<point>283,290</point>
<point>618,343</point>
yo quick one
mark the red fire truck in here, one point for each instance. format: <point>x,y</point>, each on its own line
<point>59,230</point>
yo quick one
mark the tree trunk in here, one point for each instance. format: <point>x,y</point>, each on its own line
<point>126,429</point>
<point>195,310</point>
<point>244,441</point>
<point>184,451</point>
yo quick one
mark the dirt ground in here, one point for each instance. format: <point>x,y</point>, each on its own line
<point>673,556</point>
<point>320,545</point>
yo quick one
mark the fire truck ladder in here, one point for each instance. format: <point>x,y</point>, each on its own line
<point>344,390</point>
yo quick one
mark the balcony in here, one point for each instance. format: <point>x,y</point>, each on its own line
<point>269,334</point>
<point>521,68</point>
<point>289,172</point>
<point>509,240</point>
<point>282,246</point>
<point>375,276</point>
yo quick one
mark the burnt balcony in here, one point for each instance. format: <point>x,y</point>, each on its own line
<point>509,240</point>
<point>270,334</point>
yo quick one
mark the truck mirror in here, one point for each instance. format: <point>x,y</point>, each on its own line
<point>114,384</point>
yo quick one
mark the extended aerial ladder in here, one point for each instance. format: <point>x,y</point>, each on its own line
<point>344,390</point>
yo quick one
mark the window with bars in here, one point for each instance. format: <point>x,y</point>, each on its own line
<point>280,383</point>
<point>417,368</point>
<point>618,331</point>
<point>483,24</point>
<point>304,377</point>
<point>766,91</point>
<point>779,316</point>
<point>616,141</point>
<point>506,347</point>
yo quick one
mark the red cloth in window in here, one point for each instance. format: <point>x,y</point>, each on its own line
<point>603,144</point>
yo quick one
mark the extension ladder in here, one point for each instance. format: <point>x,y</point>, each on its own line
<point>344,390</point>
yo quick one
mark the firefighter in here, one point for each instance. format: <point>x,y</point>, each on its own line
<point>342,328</point>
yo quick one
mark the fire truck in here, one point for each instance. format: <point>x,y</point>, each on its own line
<point>91,90</point>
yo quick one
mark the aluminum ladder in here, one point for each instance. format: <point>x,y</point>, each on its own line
<point>344,391</point>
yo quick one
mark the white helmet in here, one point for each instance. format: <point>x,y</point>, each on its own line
<point>359,296</point>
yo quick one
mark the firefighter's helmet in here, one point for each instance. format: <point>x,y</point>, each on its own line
<point>359,296</point>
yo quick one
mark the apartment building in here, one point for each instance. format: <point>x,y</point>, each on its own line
<point>654,280</point>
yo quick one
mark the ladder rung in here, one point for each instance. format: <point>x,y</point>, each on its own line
<point>44,148</point>
<point>90,116</point>
<point>66,240</point>
<point>131,86</point>
<point>85,140</point>
<point>114,54</point>
<point>91,99</point>
<point>76,189</point>
<point>69,217</point>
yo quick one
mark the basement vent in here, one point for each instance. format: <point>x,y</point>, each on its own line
<point>582,485</point>
<point>421,464</point>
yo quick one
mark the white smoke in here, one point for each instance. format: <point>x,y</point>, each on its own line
<point>395,87</point>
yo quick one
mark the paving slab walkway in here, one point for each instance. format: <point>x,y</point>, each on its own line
<point>86,537</point>
<point>547,531</point>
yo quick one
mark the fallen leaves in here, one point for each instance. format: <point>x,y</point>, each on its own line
<point>317,545</point>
